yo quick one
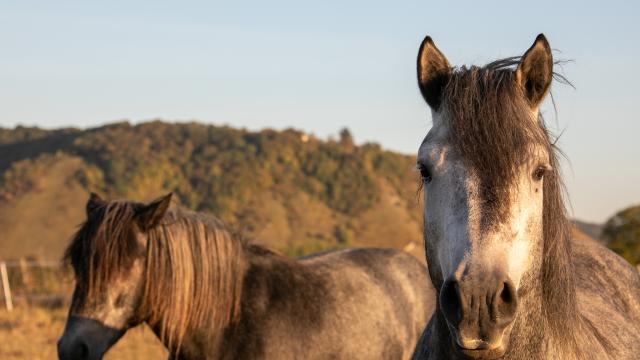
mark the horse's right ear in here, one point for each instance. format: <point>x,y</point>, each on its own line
<point>150,215</point>
<point>94,202</point>
<point>433,73</point>
<point>535,71</point>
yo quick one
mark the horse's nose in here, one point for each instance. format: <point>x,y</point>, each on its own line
<point>479,310</point>
<point>76,350</point>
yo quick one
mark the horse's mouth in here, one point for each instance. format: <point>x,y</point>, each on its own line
<point>480,353</point>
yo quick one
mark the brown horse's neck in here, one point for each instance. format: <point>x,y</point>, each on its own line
<point>262,273</point>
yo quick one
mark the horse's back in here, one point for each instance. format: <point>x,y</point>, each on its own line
<point>385,298</point>
<point>608,291</point>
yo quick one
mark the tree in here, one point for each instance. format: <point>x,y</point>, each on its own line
<point>346,140</point>
<point>622,232</point>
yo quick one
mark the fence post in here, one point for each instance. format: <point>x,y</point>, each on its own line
<point>25,277</point>
<point>5,286</point>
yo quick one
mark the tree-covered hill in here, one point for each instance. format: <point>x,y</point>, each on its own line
<point>286,189</point>
<point>622,233</point>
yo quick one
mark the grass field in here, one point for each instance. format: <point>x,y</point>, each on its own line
<point>31,333</point>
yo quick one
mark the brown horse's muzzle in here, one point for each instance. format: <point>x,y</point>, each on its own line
<point>479,309</point>
<point>86,339</point>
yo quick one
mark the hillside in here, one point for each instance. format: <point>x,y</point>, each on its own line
<point>622,233</point>
<point>285,189</point>
<point>594,230</point>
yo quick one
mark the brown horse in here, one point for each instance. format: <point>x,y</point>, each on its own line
<point>511,283</point>
<point>209,295</point>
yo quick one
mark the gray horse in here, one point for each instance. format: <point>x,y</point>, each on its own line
<point>209,295</point>
<point>511,283</point>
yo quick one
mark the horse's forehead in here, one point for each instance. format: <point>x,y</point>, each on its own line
<point>435,143</point>
<point>437,147</point>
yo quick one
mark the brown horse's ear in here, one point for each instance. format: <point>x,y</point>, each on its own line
<point>150,215</point>
<point>433,72</point>
<point>535,71</point>
<point>94,202</point>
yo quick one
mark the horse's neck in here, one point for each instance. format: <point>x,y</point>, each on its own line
<point>241,339</point>
<point>548,326</point>
<point>207,342</point>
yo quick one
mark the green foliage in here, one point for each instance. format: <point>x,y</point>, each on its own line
<point>622,232</point>
<point>344,236</point>
<point>29,134</point>
<point>213,168</point>
<point>26,175</point>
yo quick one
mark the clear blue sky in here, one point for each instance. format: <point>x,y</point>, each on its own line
<point>320,66</point>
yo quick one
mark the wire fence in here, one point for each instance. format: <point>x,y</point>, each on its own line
<point>32,282</point>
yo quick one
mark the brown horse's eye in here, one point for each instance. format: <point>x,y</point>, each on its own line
<point>539,173</point>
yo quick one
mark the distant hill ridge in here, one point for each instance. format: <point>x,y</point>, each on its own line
<point>286,189</point>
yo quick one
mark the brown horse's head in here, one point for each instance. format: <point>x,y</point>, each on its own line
<point>108,256</point>
<point>490,181</point>
<point>173,269</point>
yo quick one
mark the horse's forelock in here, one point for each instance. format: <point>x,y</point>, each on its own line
<point>103,247</point>
<point>492,128</point>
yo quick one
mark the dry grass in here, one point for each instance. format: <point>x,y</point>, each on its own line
<point>31,333</point>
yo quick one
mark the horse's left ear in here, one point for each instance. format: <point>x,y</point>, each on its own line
<point>433,73</point>
<point>150,215</point>
<point>94,202</point>
<point>535,71</point>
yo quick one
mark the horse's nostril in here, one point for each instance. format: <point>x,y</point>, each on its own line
<point>505,294</point>
<point>81,351</point>
<point>84,350</point>
<point>507,302</point>
<point>450,301</point>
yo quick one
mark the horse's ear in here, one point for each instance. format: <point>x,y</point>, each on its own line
<point>94,202</point>
<point>433,72</point>
<point>150,215</point>
<point>535,71</point>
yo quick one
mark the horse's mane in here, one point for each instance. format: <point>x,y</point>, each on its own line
<point>193,273</point>
<point>491,124</point>
<point>103,247</point>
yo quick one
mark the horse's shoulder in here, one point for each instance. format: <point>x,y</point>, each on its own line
<point>591,258</point>
<point>608,291</point>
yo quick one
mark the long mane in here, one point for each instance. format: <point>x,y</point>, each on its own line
<point>491,125</point>
<point>193,267</point>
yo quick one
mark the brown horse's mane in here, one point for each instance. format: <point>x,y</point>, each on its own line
<point>492,126</point>
<point>193,273</point>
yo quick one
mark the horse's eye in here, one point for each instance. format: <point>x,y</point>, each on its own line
<point>424,172</point>
<point>539,173</point>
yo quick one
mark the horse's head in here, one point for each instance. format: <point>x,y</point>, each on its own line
<point>108,257</point>
<point>486,165</point>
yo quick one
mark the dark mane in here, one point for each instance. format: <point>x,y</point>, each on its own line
<point>491,125</point>
<point>189,256</point>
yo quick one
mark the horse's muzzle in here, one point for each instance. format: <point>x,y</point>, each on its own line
<point>479,310</point>
<point>86,339</point>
